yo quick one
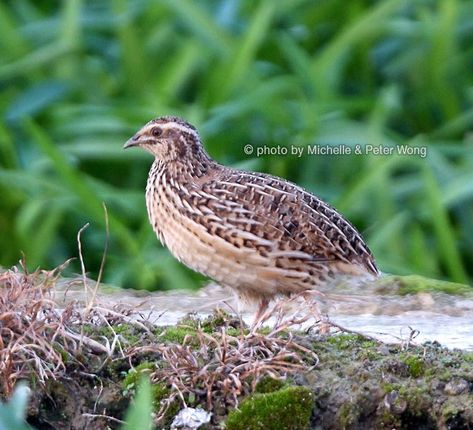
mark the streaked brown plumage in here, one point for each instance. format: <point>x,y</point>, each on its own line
<point>256,233</point>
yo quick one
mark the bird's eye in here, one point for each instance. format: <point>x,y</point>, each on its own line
<point>156,131</point>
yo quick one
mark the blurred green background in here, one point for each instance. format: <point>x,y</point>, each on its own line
<point>79,77</point>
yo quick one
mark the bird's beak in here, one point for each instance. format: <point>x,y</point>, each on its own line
<point>134,141</point>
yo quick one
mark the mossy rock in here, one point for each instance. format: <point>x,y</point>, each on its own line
<point>413,284</point>
<point>288,408</point>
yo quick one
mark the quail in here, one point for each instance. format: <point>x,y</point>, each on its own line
<point>259,234</point>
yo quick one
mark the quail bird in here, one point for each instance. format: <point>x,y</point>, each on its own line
<point>259,234</point>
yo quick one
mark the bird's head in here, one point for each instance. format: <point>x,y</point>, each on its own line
<point>168,138</point>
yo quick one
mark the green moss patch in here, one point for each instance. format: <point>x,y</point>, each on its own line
<point>186,329</point>
<point>415,365</point>
<point>288,408</point>
<point>413,284</point>
<point>269,385</point>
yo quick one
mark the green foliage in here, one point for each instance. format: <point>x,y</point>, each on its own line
<point>136,374</point>
<point>79,79</point>
<point>159,392</point>
<point>138,415</point>
<point>288,408</point>
<point>13,413</point>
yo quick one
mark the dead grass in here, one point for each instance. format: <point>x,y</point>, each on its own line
<point>38,339</point>
<point>33,332</point>
<point>218,369</point>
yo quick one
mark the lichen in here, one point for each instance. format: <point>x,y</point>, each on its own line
<point>288,408</point>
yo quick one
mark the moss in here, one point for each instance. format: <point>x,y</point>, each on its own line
<point>387,420</point>
<point>414,284</point>
<point>267,330</point>
<point>235,332</point>
<point>161,392</point>
<point>288,408</point>
<point>450,410</point>
<point>175,334</point>
<point>212,323</point>
<point>99,330</point>
<point>368,354</point>
<point>388,387</point>
<point>269,385</point>
<point>348,415</point>
<point>347,341</point>
<point>65,355</point>
<point>128,332</point>
<point>455,413</point>
<point>417,398</point>
<point>415,365</point>
<point>189,325</point>
<point>444,375</point>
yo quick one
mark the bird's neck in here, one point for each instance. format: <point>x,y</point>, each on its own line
<point>186,170</point>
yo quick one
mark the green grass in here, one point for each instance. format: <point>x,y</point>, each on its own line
<point>80,78</point>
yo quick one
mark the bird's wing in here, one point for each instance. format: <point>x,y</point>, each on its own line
<point>277,219</point>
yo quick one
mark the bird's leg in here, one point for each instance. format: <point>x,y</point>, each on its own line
<point>313,305</point>
<point>259,315</point>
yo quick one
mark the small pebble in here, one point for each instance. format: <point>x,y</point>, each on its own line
<point>190,419</point>
<point>456,387</point>
<point>383,350</point>
<point>395,403</point>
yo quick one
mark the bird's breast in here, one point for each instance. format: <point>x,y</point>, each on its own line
<point>190,241</point>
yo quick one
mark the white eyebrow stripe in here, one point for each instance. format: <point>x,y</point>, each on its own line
<point>172,125</point>
<point>177,126</point>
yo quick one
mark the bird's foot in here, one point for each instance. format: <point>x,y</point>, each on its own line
<point>260,316</point>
